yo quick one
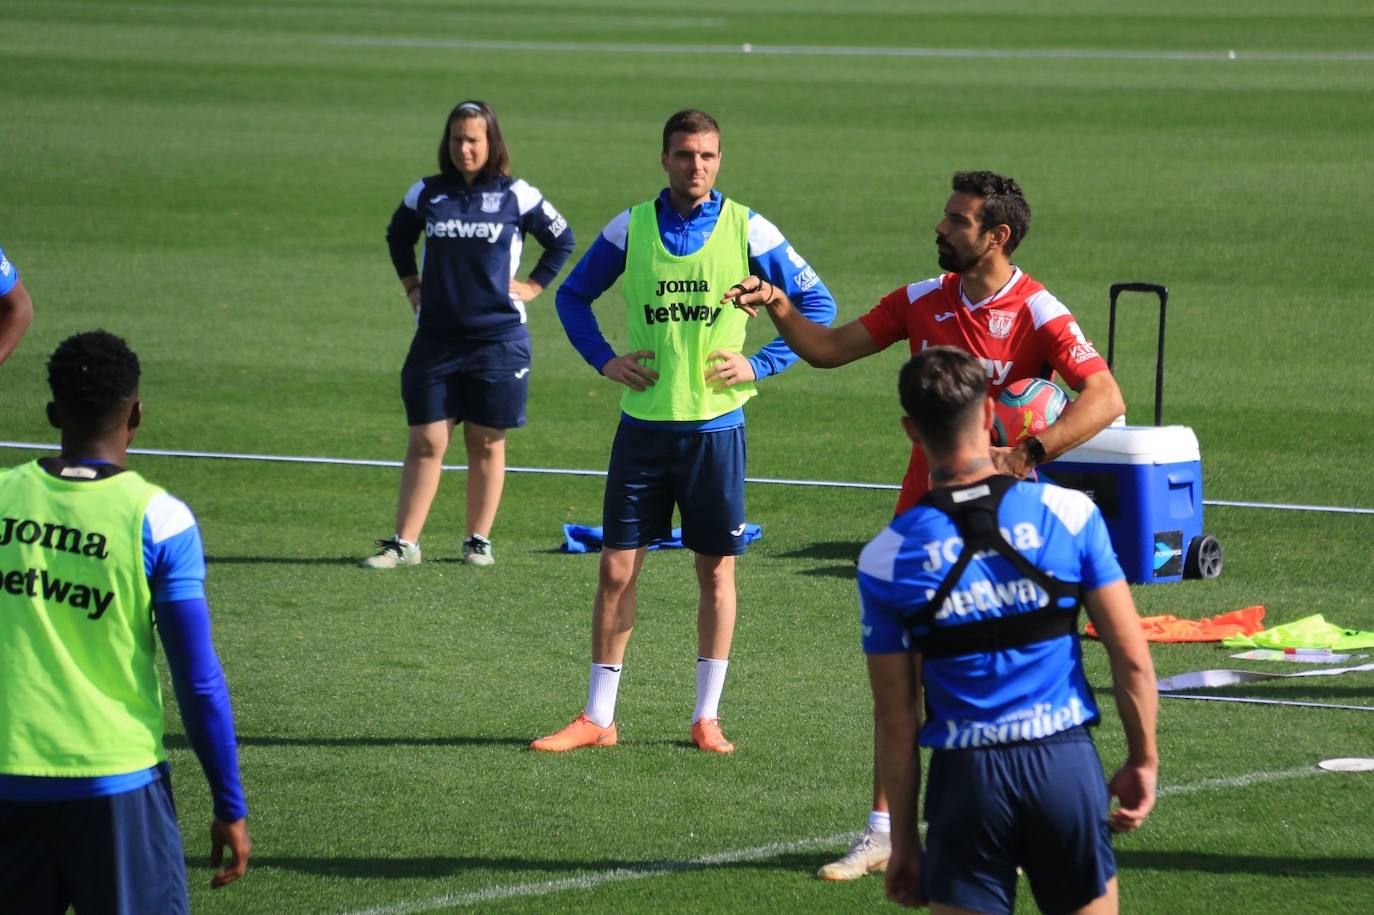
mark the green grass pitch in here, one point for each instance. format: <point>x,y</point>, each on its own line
<point>212,181</point>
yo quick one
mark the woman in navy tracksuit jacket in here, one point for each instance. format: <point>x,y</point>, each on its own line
<point>470,360</point>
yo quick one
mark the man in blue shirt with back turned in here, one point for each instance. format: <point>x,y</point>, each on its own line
<point>970,605</point>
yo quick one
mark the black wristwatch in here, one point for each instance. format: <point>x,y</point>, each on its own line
<point>1035,451</point>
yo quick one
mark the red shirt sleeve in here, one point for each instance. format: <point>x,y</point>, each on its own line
<point>1071,354</point>
<point>886,322</point>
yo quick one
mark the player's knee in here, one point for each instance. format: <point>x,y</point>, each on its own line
<point>427,442</point>
<point>716,573</point>
<point>617,572</point>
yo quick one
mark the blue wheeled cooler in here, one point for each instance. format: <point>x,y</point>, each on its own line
<point>1147,481</point>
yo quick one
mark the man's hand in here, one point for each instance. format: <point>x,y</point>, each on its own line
<point>413,294</point>
<point>725,369</point>
<point>525,292</point>
<point>234,835</point>
<point>903,874</point>
<point>1014,462</point>
<point>627,371</point>
<point>749,293</point>
<point>1134,787</point>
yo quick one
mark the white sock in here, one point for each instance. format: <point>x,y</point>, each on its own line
<point>601,692</point>
<point>879,821</point>
<point>710,682</point>
<point>404,542</point>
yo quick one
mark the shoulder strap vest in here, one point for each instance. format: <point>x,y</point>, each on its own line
<point>974,512</point>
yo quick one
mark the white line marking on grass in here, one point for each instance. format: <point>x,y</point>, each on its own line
<point>610,47</point>
<point>569,471</point>
<point>1238,781</point>
<point>619,874</point>
<point>758,853</point>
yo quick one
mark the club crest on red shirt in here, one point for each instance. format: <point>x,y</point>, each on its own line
<point>999,323</point>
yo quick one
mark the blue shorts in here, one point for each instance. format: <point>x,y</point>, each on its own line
<point>1039,805</point>
<point>702,473</point>
<point>119,855</point>
<point>478,381</point>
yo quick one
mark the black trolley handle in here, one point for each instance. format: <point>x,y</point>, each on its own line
<point>1163,293</point>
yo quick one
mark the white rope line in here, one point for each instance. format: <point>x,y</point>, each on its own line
<point>607,47</point>
<point>1351,708</point>
<point>1296,508</point>
<point>571,471</point>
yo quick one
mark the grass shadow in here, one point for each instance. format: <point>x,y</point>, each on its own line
<point>283,560</point>
<point>846,572</point>
<point>180,742</point>
<point>828,549</point>
<point>437,866</point>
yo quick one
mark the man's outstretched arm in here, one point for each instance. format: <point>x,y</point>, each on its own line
<point>821,346</point>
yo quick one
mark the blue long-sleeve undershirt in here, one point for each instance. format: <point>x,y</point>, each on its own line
<point>203,700</point>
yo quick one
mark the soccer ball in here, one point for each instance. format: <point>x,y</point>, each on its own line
<point>1025,408</point>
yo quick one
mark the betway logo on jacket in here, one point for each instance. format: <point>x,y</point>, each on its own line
<point>459,228</point>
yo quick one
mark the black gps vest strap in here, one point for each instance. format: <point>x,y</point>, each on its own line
<point>973,509</point>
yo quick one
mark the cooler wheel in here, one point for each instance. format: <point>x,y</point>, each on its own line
<point>1203,559</point>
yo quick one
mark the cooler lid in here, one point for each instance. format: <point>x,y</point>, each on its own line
<point>1137,445</point>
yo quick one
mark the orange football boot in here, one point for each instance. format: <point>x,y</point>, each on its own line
<point>583,732</point>
<point>707,736</point>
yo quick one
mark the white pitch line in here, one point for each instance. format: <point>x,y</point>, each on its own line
<point>1238,781</point>
<point>609,47</point>
<point>758,853</point>
<point>569,471</point>
<point>617,875</point>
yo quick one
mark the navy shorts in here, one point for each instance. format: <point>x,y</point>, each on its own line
<point>702,473</point>
<point>1039,805</point>
<point>483,382</point>
<point>119,855</point>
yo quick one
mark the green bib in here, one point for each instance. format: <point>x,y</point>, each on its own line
<point>79,690</point>
<point>675,313</point>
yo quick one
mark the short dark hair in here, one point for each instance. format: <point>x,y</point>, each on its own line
<point>689,120</point>
<point>498,155</point>
<point>1003,203</point>
<point>942,389</point>
<point>93,375</point>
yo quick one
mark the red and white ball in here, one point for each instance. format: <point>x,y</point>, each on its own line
<point>1025,408</point>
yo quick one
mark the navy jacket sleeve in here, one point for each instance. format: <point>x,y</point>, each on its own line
<point>402,234</point>
<point>552,231</point>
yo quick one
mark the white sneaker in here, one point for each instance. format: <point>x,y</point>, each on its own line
<point>867,855</point>
<point>393,553</point>
<point>477,551</point>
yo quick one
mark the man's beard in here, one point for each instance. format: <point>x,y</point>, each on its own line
<point>950,260</point>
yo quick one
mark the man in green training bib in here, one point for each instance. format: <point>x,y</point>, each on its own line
<point>680,442</point>
<point>96,565</point>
